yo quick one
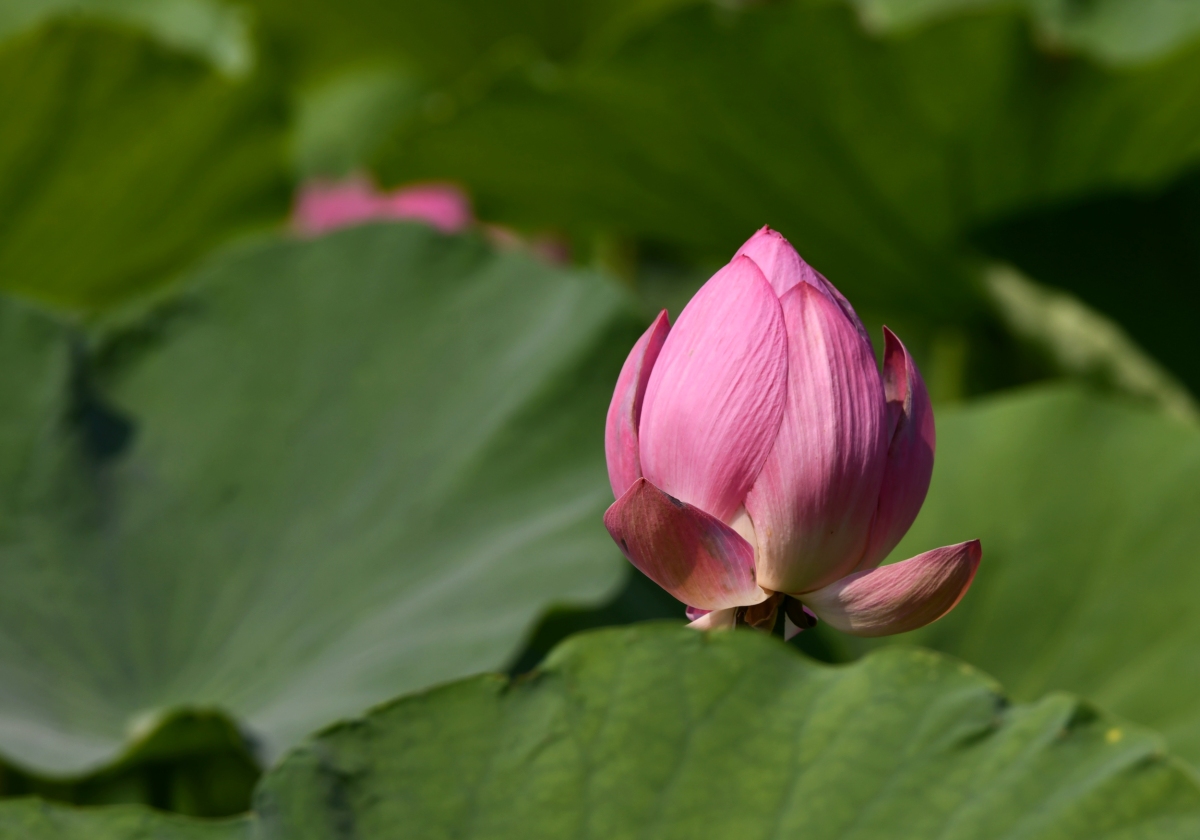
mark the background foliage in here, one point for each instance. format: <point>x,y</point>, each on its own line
<point>251,484</point>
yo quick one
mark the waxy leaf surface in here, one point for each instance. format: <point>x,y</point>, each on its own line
<point>659,731</point>
<point>321,474</point>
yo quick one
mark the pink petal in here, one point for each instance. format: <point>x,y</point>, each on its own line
<point>716,394</point>
<point>323,206</point>
<point>625,410</point>
<point>694,556</point>
<point>814,501</point>
<point>910,452</point>
<point>692,613</point>
<point>785,269</point>
<point>900,597</point>
<point>444,206</point>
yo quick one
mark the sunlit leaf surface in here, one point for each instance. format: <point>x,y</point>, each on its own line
<point>662,732</point>
<point>326,473</point>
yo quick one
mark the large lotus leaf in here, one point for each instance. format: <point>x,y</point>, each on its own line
<point>873,154</point>
<point>328,473</point>
<point>30,819</point>
<point>122,162</point>
<point>658,731</point>
<point>1091,552</point>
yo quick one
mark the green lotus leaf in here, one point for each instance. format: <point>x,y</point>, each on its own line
<point>32,819</point>
<point>122,162</point>
<point>659,731</point>
<point>319,475</point>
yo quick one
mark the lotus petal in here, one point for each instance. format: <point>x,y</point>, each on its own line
<point>814,501</point>
<point>625,411</point>
<point>785,269</point>
<point>900,597</point>
<point>716,393</point>
<point>691,554</point>
<point>910,451</point>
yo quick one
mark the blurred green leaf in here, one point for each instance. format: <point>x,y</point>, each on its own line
<point>210,29</point>
<point>663,732</point>
<point>450,38</point>
<point>326,473</point>
<point>30,819</point>
<point>1115,31</point>
<point>875,155</point>
<point>195,762</point>
<point>121,163</point>
<point>1133,255</point>
<point>1091,552</point>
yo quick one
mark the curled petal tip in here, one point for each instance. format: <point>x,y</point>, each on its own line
<point>911,442</point>
<point>694,556</point>
<point>625,410</point>
<point>900,597</point>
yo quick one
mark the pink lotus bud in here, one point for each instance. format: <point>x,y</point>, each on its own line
<point>323,206</point>
<point>757,452</point>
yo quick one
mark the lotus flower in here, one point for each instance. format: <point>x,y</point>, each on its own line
<point>327,205</point>
<point>761,460</point>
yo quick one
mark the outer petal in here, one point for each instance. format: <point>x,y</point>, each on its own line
<point>910,451</point>
<point>716,394</point>
<point>785,269</point>
<point>625,411</point>
<point>694,556</point>
<point>814,500</point>
<point>900,597</point>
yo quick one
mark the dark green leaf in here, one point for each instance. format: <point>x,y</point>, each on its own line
<point>449,39</point>
<point>873,154</point>
<point>1116,31</point>
<point>663,732</point>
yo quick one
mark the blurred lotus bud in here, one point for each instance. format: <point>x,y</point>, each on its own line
<point>761,461</point>
<point>323,205</point>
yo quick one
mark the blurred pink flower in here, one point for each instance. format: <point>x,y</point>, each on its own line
<point>761,461</point>
<point>327,205</point>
